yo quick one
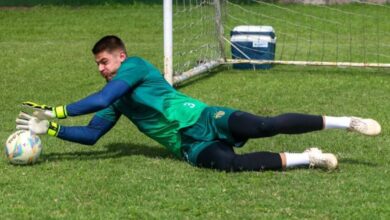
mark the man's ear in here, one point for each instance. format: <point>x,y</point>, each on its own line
<point>122,56</point>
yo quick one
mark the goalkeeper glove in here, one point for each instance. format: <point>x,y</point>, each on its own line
<point>46,112</point>
<point>36,125</point>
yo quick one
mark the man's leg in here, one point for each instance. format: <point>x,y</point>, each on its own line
<point>312,157</point>
<point>367,126</point>
<point>221,156</point>
<point>244,125</point>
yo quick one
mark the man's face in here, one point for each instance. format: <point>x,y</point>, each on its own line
<point>109,63</point>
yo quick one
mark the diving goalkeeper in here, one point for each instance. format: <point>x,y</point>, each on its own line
<point>203,135</point>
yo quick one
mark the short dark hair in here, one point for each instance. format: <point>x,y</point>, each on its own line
<point>109,43</point>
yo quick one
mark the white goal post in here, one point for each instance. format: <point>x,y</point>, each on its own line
<point>199,54</point>
<point>197,33</point>
<point>168,44</point>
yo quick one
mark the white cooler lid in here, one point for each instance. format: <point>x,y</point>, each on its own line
<point>252,38</point>
<point>253,28</point>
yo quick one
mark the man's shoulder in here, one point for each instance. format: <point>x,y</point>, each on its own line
<point>140,65</point>
<point>135,60</point>
<point>132,64</point>
<point>134,69</point>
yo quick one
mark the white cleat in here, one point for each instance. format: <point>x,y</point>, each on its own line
<point>326,161</point>
<point>368,126</point>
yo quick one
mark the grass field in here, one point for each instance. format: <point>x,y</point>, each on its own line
<point>46,58</point>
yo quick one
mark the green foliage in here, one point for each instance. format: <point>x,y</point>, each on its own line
<point>127,175</point>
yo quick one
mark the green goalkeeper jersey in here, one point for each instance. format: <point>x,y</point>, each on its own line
<point>154,106</point>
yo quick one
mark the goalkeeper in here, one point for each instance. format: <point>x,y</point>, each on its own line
<point>203,135</point>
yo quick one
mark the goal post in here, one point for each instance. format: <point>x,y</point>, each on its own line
<point>197,37</point>
<point>168,41</point>
<point>193,38</point>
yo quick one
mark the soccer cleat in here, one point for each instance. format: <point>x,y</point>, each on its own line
<point>368,126</point>
<point>326,161</point>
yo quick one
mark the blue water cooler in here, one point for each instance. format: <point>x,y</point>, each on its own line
<point>255,43</point>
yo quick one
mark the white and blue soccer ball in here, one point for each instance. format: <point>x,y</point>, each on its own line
<point>23,147</point>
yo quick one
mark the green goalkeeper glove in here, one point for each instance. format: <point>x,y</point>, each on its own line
<point>25,121</point>
<point>46,112</point>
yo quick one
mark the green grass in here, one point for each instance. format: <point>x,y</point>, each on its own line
<point>46,58</point>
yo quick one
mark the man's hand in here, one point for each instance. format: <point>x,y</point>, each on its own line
<point>25,121</point>
<point>46,112</point>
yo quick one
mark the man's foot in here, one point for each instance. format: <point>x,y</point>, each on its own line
<point>326,161</point>
<point>365,126</point>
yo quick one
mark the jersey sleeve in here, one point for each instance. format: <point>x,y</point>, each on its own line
<point>89,134</point>
<point>100,124</point>
<point>100,100</point>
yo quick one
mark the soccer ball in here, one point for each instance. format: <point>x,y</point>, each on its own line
<point>23,147</point>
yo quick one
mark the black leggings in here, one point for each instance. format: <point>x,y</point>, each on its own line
<point>242,125</point>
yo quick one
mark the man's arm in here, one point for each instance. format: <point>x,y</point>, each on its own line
<point>100,124</point>
<point>100,100</point>
<point>89,134</point>
<point>95,102</point>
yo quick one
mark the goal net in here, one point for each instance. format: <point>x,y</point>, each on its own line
<point>353,34</point>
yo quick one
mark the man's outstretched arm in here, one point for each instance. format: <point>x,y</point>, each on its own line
<point>100,100</point>
<point>88,135</point>
<point>92,103</point>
